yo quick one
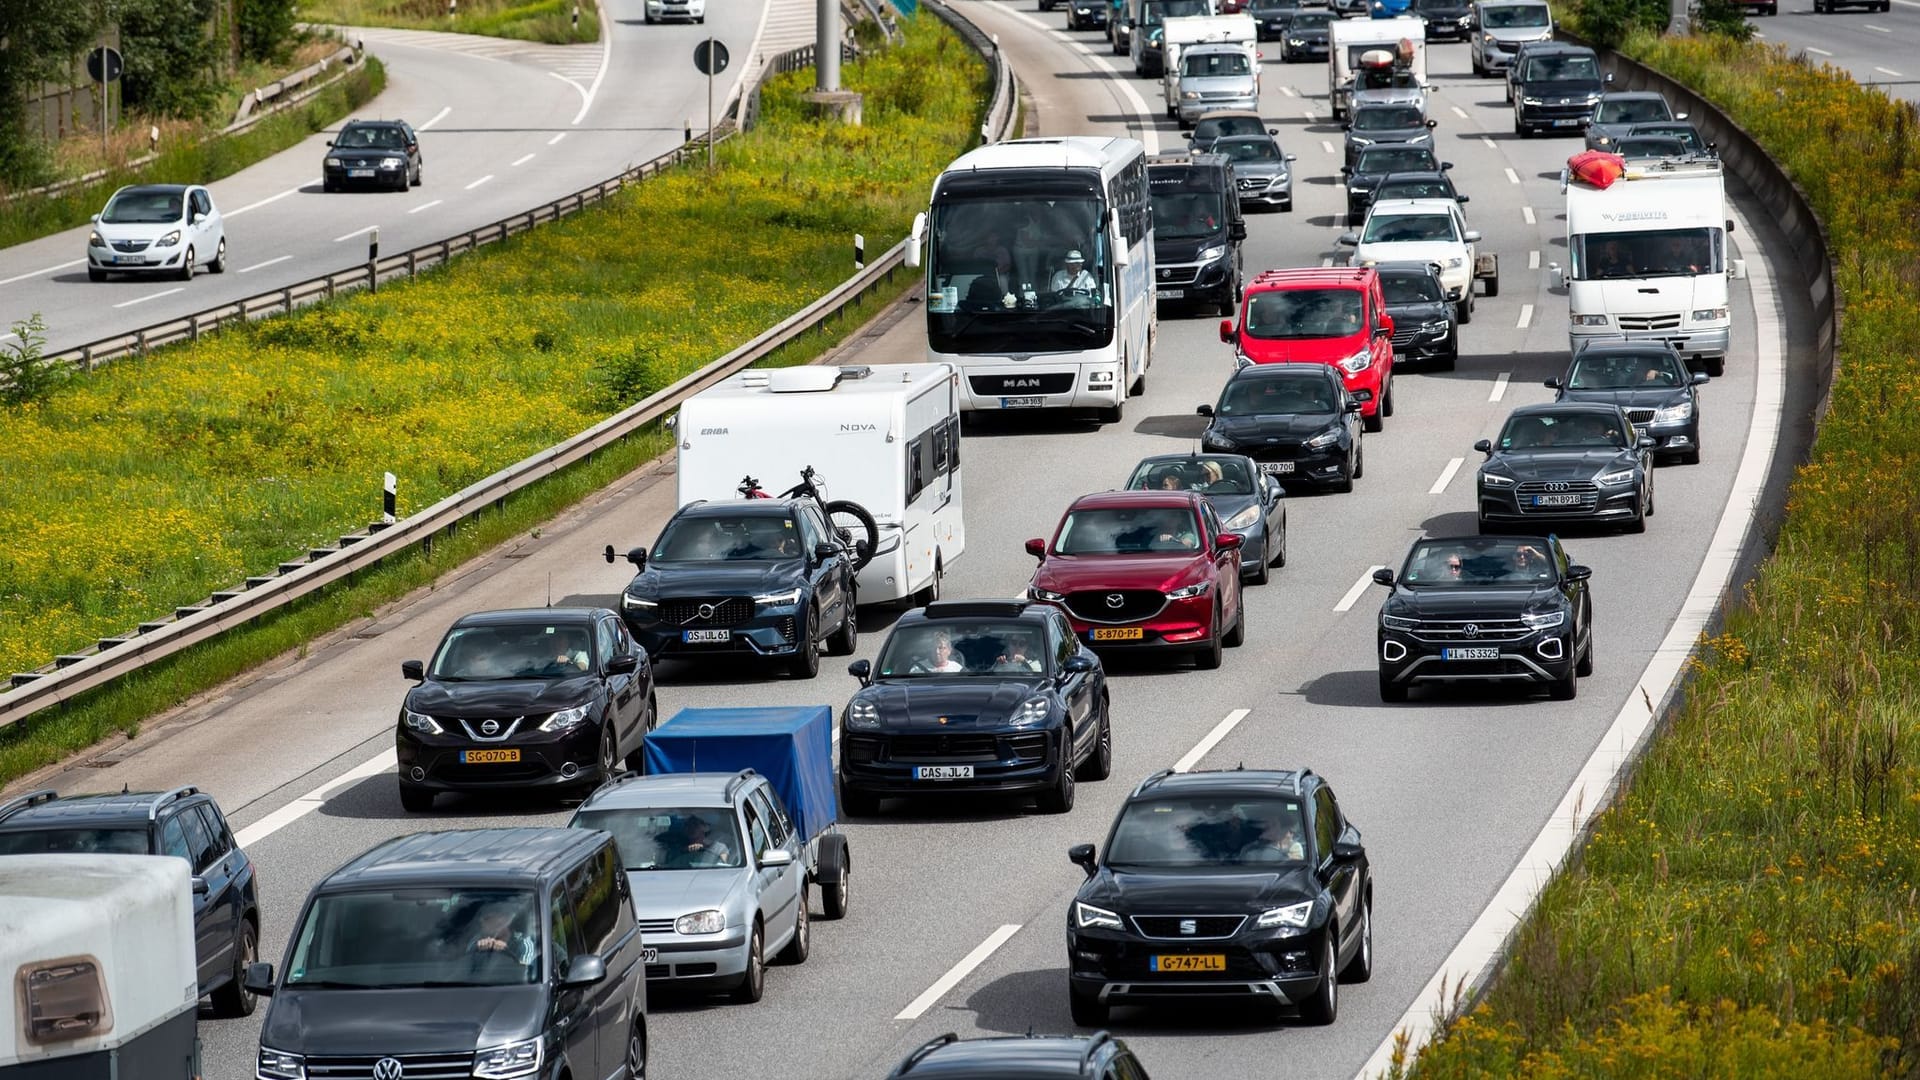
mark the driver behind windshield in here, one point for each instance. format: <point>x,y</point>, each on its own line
<point>1073,278</point>
<point>498,930</point>
<point>689,844</point>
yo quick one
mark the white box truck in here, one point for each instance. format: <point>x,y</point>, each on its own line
<point>1351,65</point>
<point>886,437</point>
<point>1648,259</point>
<point>1221,85</point>
<point>97,954</point>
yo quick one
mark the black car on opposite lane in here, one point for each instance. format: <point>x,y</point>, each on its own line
<point>1648,380</point>
<point>1245,885</point>
<point>534,698</point>
<point>1375,125</point>
<point>1483,609</point>
<point>1247,501</point>
<point>1426,325</point>
<point>976,695</point>
<point>1567,461</point>
<point>753,578</point>
<point>1099,1056</point>
<point>1296,421</point>
<point>372,153</point>
<point>1372,164</point>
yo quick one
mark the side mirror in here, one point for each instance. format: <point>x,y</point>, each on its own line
<point>1700,378</point>
<point>914,237</point>
<point>1346,170</point>
<point>1646,442</point>
<point>1473,236</point>
<point>624,664</point>
<point>823,551</point>
<point>1078,664</point>
<point>585,971</point>
<point>1556,276</point>
<point>1237,230</point>
<point>1363,395</point>
<point>1354,405</point>
<point>1348,239</point>
<point>1680,116</point>
<point>1383,576</point>
<point>200,885</point>
<point>1293,157</point>
<point>259,979</point>
<point>95,219</point>
<point>1228,541</point>
<point>1345,852</point>
<point>862,670</point>
<point>1576,572</point>
<point>1485,446</point>
<point>329,142</point>
<point>1553,382</point>
<point>1204,410</point>
<point>1462,199</point>
<point>1226,331</point>
<point>1081,855</point>
<point>1739,270</point>
<point>638,557</point>
<point>1445,166</point>
<point>1037,548</point>
<point>776,857</point>
<point>194,218</point>
<point>1383,330</point>
<point>1273,131</point>
<point>413,669</point>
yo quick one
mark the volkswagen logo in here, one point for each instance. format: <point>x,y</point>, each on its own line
<point>1471,630</point>
<point>1189,926</point>
<point>489,727</point>
<point>1114,599</point>
<point>388,1069</point>
<point>705,611</point>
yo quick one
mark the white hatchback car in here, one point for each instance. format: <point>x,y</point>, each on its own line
<point>157,229</point>
<point>1426,231</point>
<point>662,10</point>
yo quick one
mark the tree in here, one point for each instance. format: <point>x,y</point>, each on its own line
<point>172,62</point>
<point>266,26</point>
<point>1607,23</point>
<point>37,39</point>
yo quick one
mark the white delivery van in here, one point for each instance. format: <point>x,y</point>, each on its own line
<point>1403,40</point>
<point>1649,259</point>
<point>97,955</point>
<point>1215,87</point>
<point>886,437</point>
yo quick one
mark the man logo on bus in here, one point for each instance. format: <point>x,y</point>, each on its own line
<point>1021,384</point>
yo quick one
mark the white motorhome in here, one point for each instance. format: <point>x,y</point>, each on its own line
<point>886,437</point>
<point>97,954</point>
<point>1220,85</point>
<point>1352,66</point>
<point>1649,259</point>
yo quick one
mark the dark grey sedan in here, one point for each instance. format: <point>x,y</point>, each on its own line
<point>1248,501</point>
<point>1619,110</point>
<point>1650,382</point>
<point>1370,125</point>
<point>1567,462</point>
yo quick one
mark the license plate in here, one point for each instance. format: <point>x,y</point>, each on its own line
<point>1482,652</point>
<point>127,259</point>
<point>1556,500</point>
<point>1170,294</point>
<point>489,757</point>
<point>1565,123</point>
<point>1280,467</point>
<point>1021,402</point>
<point>1201,962</point>
<point>1119,633</point>
<point>359,172</point>
<point>706,637</point>
<point>943,772</point>
<point>649,956</point>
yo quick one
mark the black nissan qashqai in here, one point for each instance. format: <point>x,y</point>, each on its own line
<point>1242,885</point>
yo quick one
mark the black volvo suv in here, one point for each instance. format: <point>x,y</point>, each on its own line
<point>1242,885</point>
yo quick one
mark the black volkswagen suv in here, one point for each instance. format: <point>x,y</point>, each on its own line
<point>1650,381</point>
<point>1486,609</point>
<point>1246,885</point>
<point>1296,421</point>
<point>755,577</point>
<point>536,698</point>
<point>979,695</point>
<point>185,823</point>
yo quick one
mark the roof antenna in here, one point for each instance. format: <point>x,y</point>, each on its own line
<point>549,588</point>
<point>126,787</point>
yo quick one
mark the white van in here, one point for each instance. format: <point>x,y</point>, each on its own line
<point>886,437</point>
<point>97,955</point>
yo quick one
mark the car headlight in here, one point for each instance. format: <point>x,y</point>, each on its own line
<point>1191,591</point>
<point>1086,915</point>
<point>1529,101</point>
<point>1291,915</point>
<point>710,921</point>
<point>280,1065</point>
<point>169,240</point>
<point>1593,98</point>
<point>1034,710</point>
<point>509,1061</point>
<point>779,599</point>
<point>1244,519</point>
<point>1489,39</point>
<point>1189,95</point>
<point>1395,622</point>
<point>1496,480</point>
<point>640,603</point>
<point>1615,478</point>
<point>1456,262</point>
<point>1324,439</point>
<point>391,163</point>
<point>1678,411</point>
<point>1436,326</point>
<point>1590,320</point>
<point>1358,362</point>
<point>1712,314</point>
<point>1048,595</point>
<point>863,715</point>
<point>1603,139</point>
<point>333,163</point>
<point>1217,442</point>
<point>1359,140</point>
<point>421,722</point>
<point>565,719</point>
<point>94,240</point>
<point>1218,251</point>
<point>1298,43</point>
<point>1544,620</point>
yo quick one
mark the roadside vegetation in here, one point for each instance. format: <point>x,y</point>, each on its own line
<point>550,21</point>
<point>1747,908</point>
<point>159,481</point>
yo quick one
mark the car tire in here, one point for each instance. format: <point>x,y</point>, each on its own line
<point>328,186</point>
<point>1113,415</point>
<point>805,663</point>
<point>636,1054</point>
<point>1359,458</point>
<point>753,983</point>
<point>94,274</point>
<point>1261,573</point>
<point>1207,657</point>
<point>1716,366</point>
<point>1638,524</point>
<point>606,757</point>
<point>1372,424</point>
<point>185,273</point>
<point>233,999</point>
<point>416,800</point>
<point>1585,667</point>
<point>859,803</point>
<point>932,592</point>
<point>1452,358</point>
<point>1281,559</point>
<point>846,640</point>
<point>1692,456</point>
<point>1465,307</point>
<point>1058,799</point>
<point>636,762</point>
<point>1237,636</point>
<point>1324,1006</point>
<point>1087,1008</point>
<point>835,898</point>
<point>1567,687</point>
<point>1391,692</point>
<point>801,945</point>
<point>1493,283</point>
<point>1099,764</point>
<point>1386,398</point>
<point>1360,968</point>
<point>219,263</point>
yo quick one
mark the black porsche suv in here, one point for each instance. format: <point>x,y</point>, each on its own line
<point>1486,609</point>
<point>976,695</point>
<point>754,577</point>
<point>1244,885</point>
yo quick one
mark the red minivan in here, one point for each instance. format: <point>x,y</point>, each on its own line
<point>1316,315</point>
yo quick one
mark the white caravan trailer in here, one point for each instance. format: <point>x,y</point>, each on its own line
<point>1225,91</point>
<point>1403,40</point>
<point>886,437</point>
<point>97,954</point>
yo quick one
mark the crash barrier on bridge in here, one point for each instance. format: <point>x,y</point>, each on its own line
<point>152,642</point>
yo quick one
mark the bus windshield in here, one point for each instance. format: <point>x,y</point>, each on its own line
<point>1027,274</point>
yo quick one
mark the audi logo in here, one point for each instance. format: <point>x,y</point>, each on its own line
<point>489,727</point>
<point>388,1069</point>
<point>1115,599</point>
<point>1471,630</point>
<point>1558,485</point>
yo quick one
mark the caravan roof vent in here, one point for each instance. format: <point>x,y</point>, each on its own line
<point>802,380</point>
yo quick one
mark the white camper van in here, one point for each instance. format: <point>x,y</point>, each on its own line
<point>97,954</point>
<point>1649,259</point>
<point>1230,82</point>
<point>886,437</point>
<point>1352,64</point>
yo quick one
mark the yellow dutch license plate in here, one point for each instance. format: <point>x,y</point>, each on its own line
<point>489,757</point>
<point>1119,633</point>
<point>1200,962</point>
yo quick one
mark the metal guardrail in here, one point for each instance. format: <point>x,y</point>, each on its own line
<point>1002,105</point>
<point>151,642</point>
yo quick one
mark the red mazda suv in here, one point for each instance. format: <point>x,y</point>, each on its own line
<point>1144,570</point>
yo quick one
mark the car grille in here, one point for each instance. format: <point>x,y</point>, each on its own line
<point>1204,926</point>
<point>1057,382</point>
<point>1284,450</point>
<point>1179,275</point>
<point>655,926</point>
<point>1640,416</point>
<point>1404,333</point>
<point>1589,496</point>
<point>1668,321</point>
<point>1101,606</point>
<point>943,748</point>
<point>1251,183</point>
<point>1556,110</point>
<point>707,611</point>
<point>475,729</point>
<point>131,246</point>
<point>412,1066</point>
<point>1469,631</point>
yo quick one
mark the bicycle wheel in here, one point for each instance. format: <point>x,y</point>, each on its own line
<point>851,520</point>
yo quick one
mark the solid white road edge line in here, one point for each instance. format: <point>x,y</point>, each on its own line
<point>1446,476</point>
<point>1205,746</point>
<point>355,233</point>
<point>1499,386</point>
<point>606,54</point>
<point>38,273</point>
<point>426,206</point>
<point>437,117</point>
<point>312,800</point>
<point>1592,790</point>
<point>152,296</point>
<point>1148,126</point>
<point>578,89</point>
<point>1526,317</point>
<point>480,181</point>
<point>522,160</point>
<point>264,265</point>
<point>957,972</point>
<point>1359,587</point>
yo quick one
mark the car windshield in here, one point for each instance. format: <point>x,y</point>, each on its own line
<point>1657,253</point>
<point>1128,531</point>
<point>1562,431</point>
<point>138,206</point>
<point>1304,313</point>
<point>676,838</point>
<point>1387,117</point>
<point>1649,146</point>
<point>1187,215</point>
<point>370,138</point>
<point>1507,18</point>
<point>1389,159</point>
<point>747,538</point>
<point>1411,288</point>
<point>1683,133</point>
<point>1248,149</point>
<point>515,651</point>
<point>1158,11</point>
<point>963,647</point>
<point>1409,229</point>
<point>409,937</point>
<point>1277,397</point>
<point>1222,127</point>
<point>1414,189</point>
<point>1206,475</point>
<point>1631,111</point>
<point>1563,69</point>
<point>1477,562</point>
<point>75,842</point>
<point>1310,20</point>
<point>1632,371</point>
<point>1215,65</point>
<point>1208,831</point>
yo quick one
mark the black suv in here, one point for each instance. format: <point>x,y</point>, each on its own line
<point>1246,885</point>
<point>1650,381</point>
<point>1486,609</point>
<point>184,823</point>
<point>373,153</point>
<point>486,952</point>
<point>1426,326</point>
<point>1555,88</point>
<point>533,698</point>
<point>757,577</point>
<point>1296,421</point>
<point>980,695</point>
<point>1197,229</point>
<point>1031,1057</point>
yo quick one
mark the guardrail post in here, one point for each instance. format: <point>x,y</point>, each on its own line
<point>193,327</point>
<point>142,340</point>
<point>413,265</point>
<point>86,358</point>
<point>373,260</point>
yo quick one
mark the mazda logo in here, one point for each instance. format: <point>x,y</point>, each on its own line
<point>388,1069</point>
<point>1471,630</point>
<point>1189,926</point>
<point>706,611</point>
<point>1115,599</point>
<point>489,727</point>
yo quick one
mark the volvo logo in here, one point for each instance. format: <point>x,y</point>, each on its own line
<point>1115,599</point>
<point>1189,926</point>
<point>388,1069</point>
<point>1471,630</point>
<point>706,611</point>
<point>1558,485</point>
<point>489,727</point>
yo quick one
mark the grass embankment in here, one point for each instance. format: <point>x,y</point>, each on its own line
<point>156,482</point>
<point>190,153</point>
<point>1748,907</point>
<point>550,21</point>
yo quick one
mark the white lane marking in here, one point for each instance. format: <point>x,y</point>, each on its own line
<point>6,335</point>
<point>1458,111</point>
<point>1870,26</point>
<point>1592,789</point>
<point>1526,317</point>
<point>1147,130</point>
<point>1489,142</point>
<point>1205,746</point>
<point>1327,146</point>
<point>1527,212</point>
<point>1326,260</point>
<point>1889,71</point>
<point>1818,52</point>
<point>522,160</point>
<point>556,138</point>
<point>1353,595</point>
<point>578,89</point>
<point>1533,260</point>
<point>1446,476</point>
<point>264,265</point>
<point>1288,90</point>
<point>606,54</point>
<point>1512,177</point>
<point>1500,386</point>
<point>957,972</point>
<point>426,206</point>
<point>480,181</point>
<point>354,233</point>
<point>38,273</point>
<point>263,202</point>
<point>312,800</point>
<point>437,117</point>
<point>152,296</point>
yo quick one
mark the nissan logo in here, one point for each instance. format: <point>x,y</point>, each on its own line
<point>1189,926</point>
<point>706,611</point>
<point>388,1069</point>
<point>489,727</point>
<point>1114,599</point>
<point>1471,630</point>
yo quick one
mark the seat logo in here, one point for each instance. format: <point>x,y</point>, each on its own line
<point>489,727</point>
<point>1189,926</point>
<point>388,1069</point>
<point>1471,630</point>
<point>1115,599</point>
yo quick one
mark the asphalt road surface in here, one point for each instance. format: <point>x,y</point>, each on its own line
<point>1876,46</point>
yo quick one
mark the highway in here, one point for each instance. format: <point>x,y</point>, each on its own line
<point>1875,46</point>
<point>1449,790</point>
